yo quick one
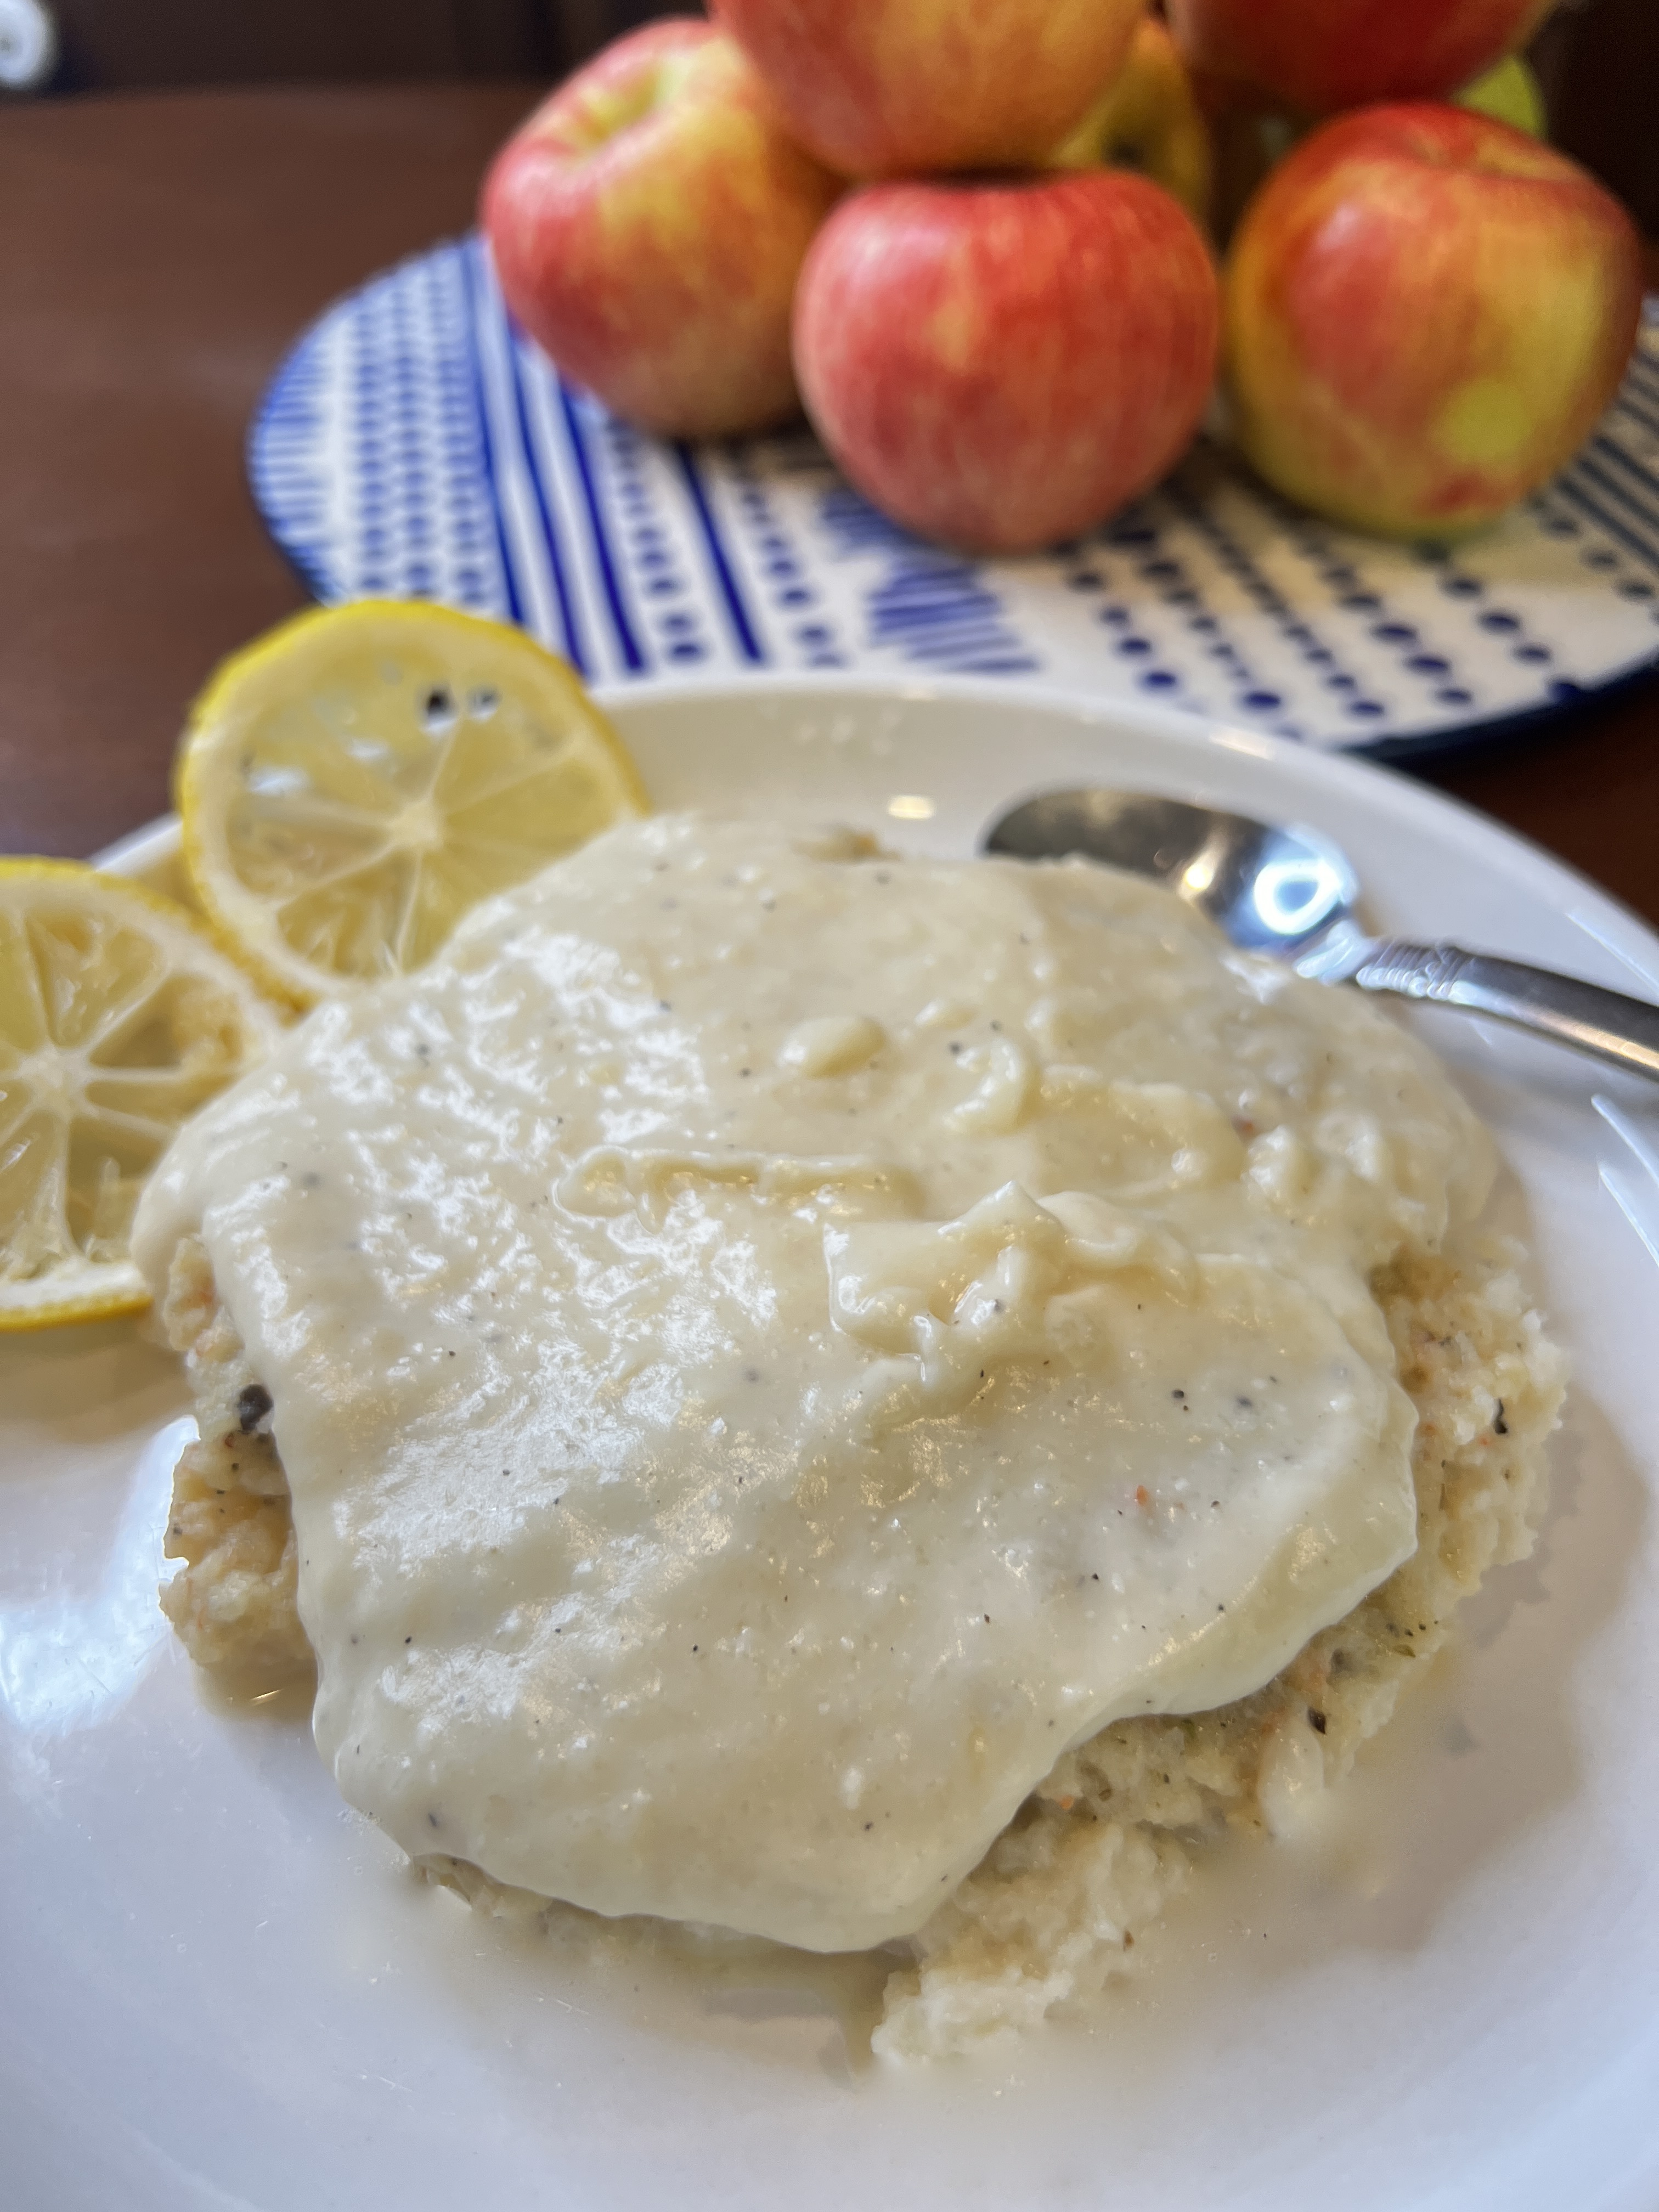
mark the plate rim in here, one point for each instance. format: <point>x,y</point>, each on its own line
<point>1191,738</point>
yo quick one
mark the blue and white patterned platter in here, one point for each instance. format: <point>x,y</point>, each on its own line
<point>415,443</point>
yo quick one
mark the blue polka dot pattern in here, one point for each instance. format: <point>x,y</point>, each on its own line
<point>415,443</point>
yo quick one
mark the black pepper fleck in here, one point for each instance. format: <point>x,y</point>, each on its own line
<point>252,1407</point>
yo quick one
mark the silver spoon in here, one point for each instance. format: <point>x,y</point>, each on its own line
<point>1290,892</point>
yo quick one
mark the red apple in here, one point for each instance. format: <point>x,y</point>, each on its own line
<point>1001,364</point>
<point>881,88</point>
<point>1426,312</point>
<point>648,223</point>
<point>1318,55</point>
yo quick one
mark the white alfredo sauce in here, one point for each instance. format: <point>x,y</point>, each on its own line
<point>771,1344</point>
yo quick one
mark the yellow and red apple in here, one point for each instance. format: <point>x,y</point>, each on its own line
<point>1148,118</point>
<point>1000,364</point>
<point>1426,314</point>
<point>889,88</point>
<point>1315,57</point>
<point>648,223</point>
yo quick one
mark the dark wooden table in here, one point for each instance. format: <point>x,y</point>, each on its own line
<point>157,254</point>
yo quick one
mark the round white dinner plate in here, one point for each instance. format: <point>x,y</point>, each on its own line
<point>223,1989</point>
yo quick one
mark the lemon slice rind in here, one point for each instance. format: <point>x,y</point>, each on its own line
<point>85,1290</point>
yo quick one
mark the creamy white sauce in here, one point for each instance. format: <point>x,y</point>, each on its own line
<point>770,1344</point>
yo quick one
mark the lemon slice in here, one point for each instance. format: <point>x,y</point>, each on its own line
<point>119,1018</point>
<point>356,780</point>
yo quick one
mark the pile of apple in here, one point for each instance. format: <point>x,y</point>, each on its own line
<point>913,217</point>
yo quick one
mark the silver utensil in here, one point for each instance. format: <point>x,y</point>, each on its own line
<point>1290,892</point>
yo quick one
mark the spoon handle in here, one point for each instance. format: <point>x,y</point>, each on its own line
<point>1606,1023</point>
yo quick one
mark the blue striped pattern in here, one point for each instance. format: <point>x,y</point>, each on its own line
<point>415,443</point>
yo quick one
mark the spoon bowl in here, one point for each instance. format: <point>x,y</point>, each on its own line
<point>1270,889</point>
<point>1287,890</point>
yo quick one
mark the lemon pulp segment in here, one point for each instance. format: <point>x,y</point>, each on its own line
<point>119,1018</point>
<point>353,783</point>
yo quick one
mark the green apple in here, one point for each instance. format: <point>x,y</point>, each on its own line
<point>1148,118</point>
<point>1513,93</point>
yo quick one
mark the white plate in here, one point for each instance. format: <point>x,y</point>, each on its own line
<point>220,1990</point>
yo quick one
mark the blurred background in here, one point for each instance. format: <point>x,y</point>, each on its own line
<point>1598,60</point>
<point>111,44</point>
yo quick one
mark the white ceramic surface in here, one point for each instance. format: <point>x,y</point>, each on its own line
<point>220,1990</point>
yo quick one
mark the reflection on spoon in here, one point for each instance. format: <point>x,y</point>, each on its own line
<point>69,1660</point>
<point>1286,889</point>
